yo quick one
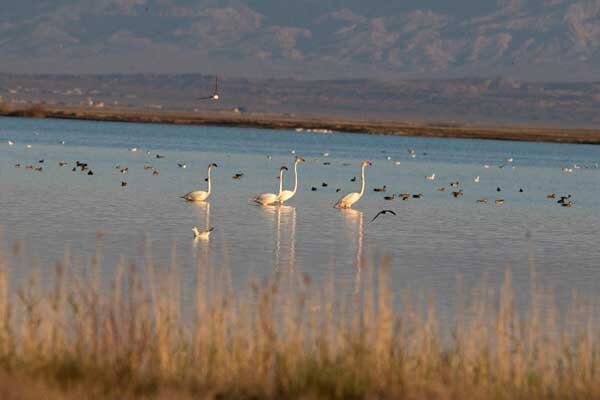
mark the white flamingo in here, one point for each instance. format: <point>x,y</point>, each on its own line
<point>348,200</point>
<point>200,195</point>
<point>288,194</point>
<point>266,199</point>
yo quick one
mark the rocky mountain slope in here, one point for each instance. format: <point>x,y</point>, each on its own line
<point>525,39</point>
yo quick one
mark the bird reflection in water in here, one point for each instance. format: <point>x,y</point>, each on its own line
<point>355,226</point>
<point>285,227</point>
<point>202,211</point>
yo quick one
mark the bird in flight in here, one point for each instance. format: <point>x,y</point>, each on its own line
<point>382,212</point>
<point>215,95</point>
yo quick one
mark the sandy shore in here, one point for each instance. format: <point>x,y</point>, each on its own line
<point>265,121</point>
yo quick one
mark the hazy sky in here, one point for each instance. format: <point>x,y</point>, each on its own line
<point>543,39</point>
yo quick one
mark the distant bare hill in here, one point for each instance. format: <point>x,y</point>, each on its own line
<point>556,40</point>
<point>457,101</point>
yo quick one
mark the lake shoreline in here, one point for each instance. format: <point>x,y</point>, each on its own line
<point>311,124</point>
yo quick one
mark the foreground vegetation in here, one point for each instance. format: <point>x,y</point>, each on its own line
<point>69,335</point>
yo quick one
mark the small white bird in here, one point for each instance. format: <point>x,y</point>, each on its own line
<point>28,146</point>
<point>133,149</point>
<point>567,170</point>
<point>509,160</point>
<point>325,154</point>
<point>388,158</point>
<point>397,163</point>
<point>486,166</point>
<point>293,151</point>
<point>11,143</point>
<point>201,234</point>
<point>476,179</point>
<point>430,177</point>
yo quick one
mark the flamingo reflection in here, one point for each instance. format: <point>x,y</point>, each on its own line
<point>355,225</point>
<point>202,211</point>
<point>285,218</point>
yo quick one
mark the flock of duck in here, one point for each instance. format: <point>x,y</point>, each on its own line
<point>284,195</point>
<point>348,200</point>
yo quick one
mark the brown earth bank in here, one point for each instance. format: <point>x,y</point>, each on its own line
<point>320,124</point>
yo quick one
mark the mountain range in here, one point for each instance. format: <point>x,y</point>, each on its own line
<point>541,40</point>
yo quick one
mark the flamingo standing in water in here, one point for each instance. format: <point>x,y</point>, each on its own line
<point>288,194</point>
<point>348,200</point>
<point>200,195</point>
<point>266,199</point>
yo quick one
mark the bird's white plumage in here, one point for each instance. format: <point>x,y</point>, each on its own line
<point>348,200</point>
<point>285,195</point>
<point>201,234</point>
<point>200,195</point>
<point>266,199</point>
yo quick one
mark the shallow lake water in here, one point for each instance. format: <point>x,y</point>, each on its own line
<point>430,242</point>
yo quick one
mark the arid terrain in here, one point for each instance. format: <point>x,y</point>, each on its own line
<point>499,108</point>
<point>324,125</point>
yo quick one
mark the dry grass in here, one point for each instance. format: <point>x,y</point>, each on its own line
<point>71,338</point>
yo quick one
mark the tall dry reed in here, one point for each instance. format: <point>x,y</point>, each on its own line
<point>282,338</point>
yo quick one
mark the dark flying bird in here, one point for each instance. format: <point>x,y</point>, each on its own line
<point>382,212</point>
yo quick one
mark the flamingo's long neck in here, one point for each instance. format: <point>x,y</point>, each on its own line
<point>209,168</point>
<point>295,177</point>
<point>362,181</point>
<point>280,182</point>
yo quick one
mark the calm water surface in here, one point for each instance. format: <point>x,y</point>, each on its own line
<point>430,242</point>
